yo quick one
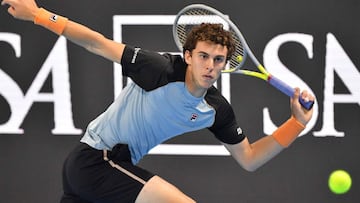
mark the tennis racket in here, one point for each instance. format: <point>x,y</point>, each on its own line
<point>196,14</point>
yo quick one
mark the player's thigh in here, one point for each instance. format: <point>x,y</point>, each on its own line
<point>158,190</point>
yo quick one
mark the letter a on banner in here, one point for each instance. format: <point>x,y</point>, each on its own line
<point>20,104</point>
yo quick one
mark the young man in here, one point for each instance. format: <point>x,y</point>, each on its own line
<point>170,96</point>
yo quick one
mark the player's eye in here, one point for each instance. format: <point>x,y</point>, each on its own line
<point>219,59</point>
<point>204,56</point>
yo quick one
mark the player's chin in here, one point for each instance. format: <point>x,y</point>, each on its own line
<point>207,84</point>
<point>208,81</point>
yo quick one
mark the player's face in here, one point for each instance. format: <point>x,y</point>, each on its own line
<point>205,64</point>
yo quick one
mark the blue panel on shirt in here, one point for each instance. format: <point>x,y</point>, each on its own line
<point>144,119</point>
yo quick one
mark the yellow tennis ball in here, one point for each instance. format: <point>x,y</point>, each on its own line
<point>239,58</point>
<point>339,182</point>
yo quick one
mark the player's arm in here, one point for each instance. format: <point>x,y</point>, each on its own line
<point>93,41</point>
<point>75,32</point>
<point>252,156</point>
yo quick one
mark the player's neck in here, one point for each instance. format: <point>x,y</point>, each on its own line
<point>192,86</point>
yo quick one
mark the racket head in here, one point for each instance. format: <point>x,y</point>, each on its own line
<point>195,14</point>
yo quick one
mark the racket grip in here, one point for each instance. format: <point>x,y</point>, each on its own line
<point>286,89</point>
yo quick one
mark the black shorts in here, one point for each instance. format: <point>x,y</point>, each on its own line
<point>87,177</point>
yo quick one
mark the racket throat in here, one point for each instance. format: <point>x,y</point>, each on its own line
<point>269,77</point>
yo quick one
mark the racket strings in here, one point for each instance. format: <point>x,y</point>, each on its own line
<point>196,16</point>
<point>193,17</point>
<point>239,54</point>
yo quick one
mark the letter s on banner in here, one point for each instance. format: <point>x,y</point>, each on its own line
<point>20,104</point>
<point>274,65</point>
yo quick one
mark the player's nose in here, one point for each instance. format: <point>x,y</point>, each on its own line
<point>210,65</point>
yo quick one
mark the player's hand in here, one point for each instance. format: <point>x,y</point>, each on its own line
<point>22,9</point>
<point>297,110</point>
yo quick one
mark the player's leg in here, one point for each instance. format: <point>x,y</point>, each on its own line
<point>147,187</point>
<point>157,190</point>
<point>87,175</point>
<point>69,196</point>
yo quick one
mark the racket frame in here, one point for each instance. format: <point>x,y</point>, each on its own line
<point>263,74</point>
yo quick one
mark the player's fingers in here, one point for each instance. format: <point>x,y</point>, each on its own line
<point>4,2</point>
<point>11,10</point>
<point>295,98</point>
<point>297,93</point>
<point>306,96</point>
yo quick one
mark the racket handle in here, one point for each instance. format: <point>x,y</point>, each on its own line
<point>286,89</point>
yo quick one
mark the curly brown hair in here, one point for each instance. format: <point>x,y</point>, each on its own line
<point>210,32</point>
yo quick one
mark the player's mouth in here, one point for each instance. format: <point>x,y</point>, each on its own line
<point>208,77</point>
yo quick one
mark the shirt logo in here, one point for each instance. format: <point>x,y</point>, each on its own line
<point>193,117</point>
<point>136,50</point>
<point>239,131</point>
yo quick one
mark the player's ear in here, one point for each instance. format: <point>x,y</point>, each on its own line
<point>187,57</point>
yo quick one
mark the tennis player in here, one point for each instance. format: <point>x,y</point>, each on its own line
<point>170,95</point>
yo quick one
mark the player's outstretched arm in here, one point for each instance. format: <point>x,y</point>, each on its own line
<point>93,41</point>
<point>253,155</point>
